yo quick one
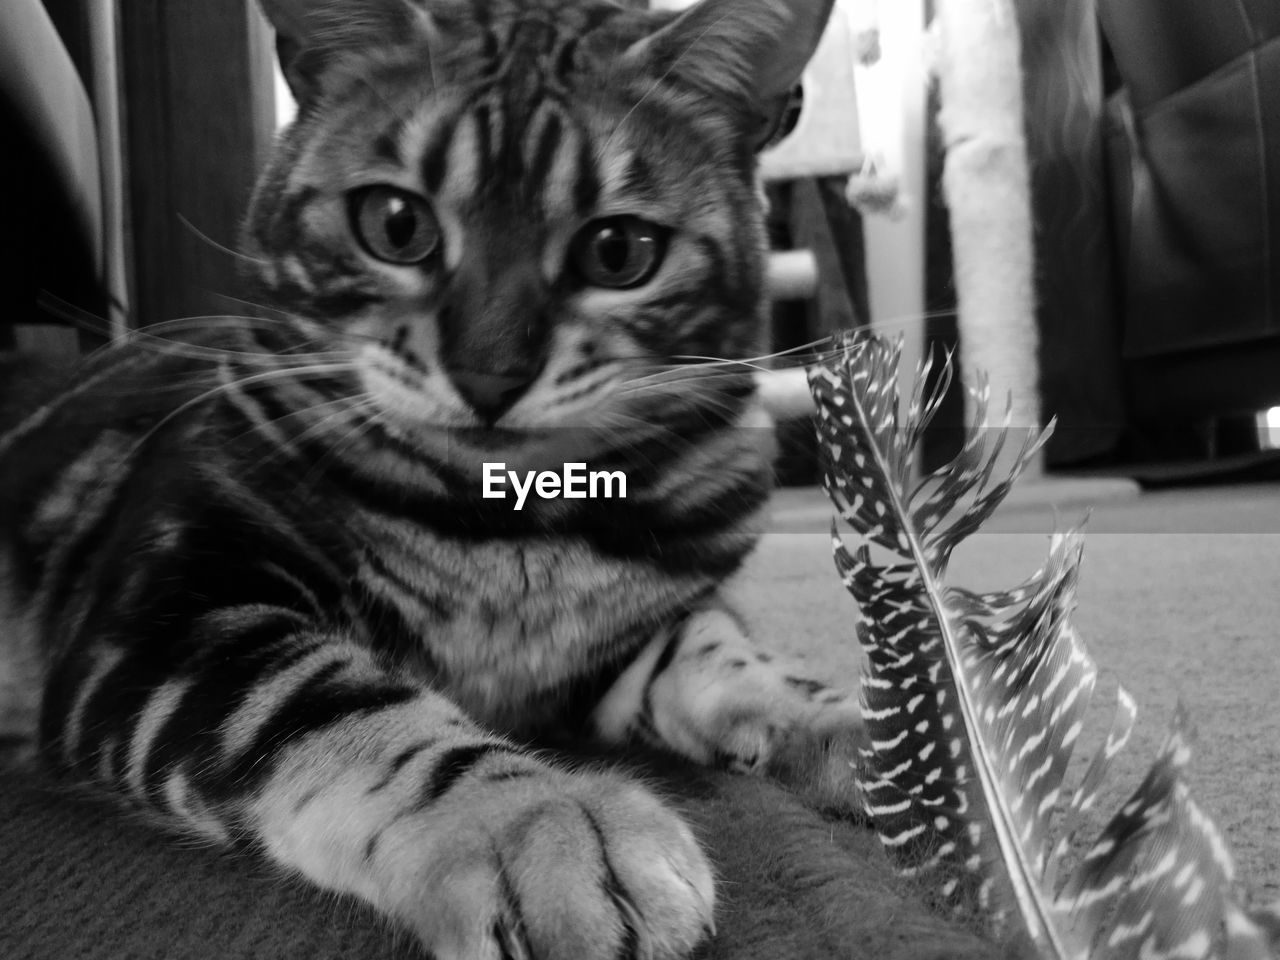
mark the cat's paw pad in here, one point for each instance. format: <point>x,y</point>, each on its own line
<point>598,868</point>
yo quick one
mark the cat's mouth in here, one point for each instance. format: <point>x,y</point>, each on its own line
<point>491,395</point>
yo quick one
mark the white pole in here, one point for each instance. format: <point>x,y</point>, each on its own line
<point>892,111</point>
<point>986,184</point>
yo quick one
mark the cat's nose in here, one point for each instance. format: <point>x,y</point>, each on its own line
<point>491,394</point>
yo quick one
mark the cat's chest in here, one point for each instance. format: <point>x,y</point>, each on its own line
<point>503,622</point>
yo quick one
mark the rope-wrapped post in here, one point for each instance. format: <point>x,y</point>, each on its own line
<point>986,184</point>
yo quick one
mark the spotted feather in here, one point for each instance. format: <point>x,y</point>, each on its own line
<point>973,703</point>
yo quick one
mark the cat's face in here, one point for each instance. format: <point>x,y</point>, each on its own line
<point>524,214</point>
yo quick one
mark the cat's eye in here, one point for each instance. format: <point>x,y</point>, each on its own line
<point>618,252</point>
<point>394,225</point>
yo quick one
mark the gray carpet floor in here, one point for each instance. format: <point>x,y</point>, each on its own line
<point>1179,601</point>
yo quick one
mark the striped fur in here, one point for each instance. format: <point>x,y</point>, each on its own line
<point>252,567</point>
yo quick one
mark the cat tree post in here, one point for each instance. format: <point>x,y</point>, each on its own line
<point>987,190</point>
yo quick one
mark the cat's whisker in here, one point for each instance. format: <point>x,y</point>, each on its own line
<point>239,322</point>
<point>221,248</point>
<point>715,361</point>
<point>77,317</point>
<point>284,316</point>
<point>701,405</point>
<point>722,406</point>
<point>802,355</point>
<point>152,335</point>
<point>685,375</point>
<point>166,337</point>
<point>638,428</point>
<point>318,370</point>
<point>355,406</point>
<point>798,350</point>
<point>803,351</point>
<point>348,438</point>
<point>178,348</point>
<point>431,59</point>
<point>682,370</point>
<point>352,402</point>
<point>373,88</point>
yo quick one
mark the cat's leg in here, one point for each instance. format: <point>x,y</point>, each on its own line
<point>706,692</point>
<point>300,747</point>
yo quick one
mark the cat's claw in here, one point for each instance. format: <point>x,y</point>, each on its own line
<point>598,870</point>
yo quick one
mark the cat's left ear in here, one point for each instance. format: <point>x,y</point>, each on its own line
<point>312,34</point>
<point>748,52</point>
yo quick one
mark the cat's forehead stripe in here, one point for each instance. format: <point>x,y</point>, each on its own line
<point>464,169</point>
<point>539,45</point>
<point>625,174</point>
<point>569,181</point>
<point>542,141</point>
<point>484,145</point>
<point>435,155</point>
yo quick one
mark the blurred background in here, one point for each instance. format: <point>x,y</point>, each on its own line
<point>1152,137</point>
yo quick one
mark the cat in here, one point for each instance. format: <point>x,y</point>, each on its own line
<point>251,558</point>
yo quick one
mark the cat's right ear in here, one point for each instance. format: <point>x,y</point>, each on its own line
<point>753,49</point>
<point>312,34</point>
<point>750,53</point>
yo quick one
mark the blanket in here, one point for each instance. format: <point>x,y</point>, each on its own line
<point>797,880</point>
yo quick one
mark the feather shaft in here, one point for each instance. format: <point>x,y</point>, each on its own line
<point>974,702</point>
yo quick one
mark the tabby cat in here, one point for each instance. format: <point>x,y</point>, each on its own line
<point>254,567</point>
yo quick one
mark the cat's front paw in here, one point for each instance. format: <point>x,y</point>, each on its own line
<point>778,723</point>
<point>722,702</point>
<point>572,866</point>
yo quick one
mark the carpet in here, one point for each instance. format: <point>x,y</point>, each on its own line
<point>1178,602</point>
